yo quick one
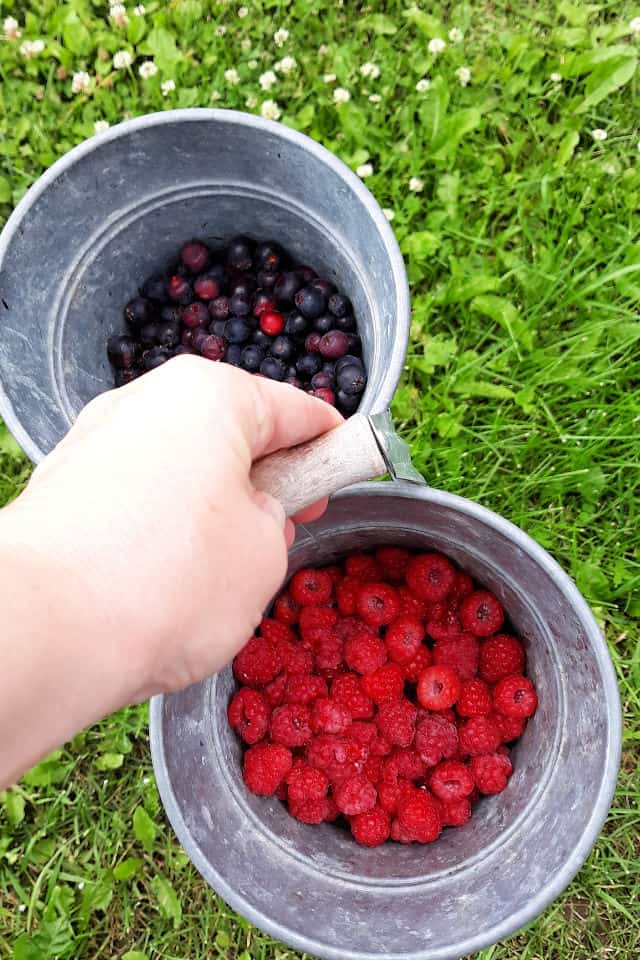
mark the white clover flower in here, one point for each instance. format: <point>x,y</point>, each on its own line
<point>80,82</point>
<point>329,78</point>
<point>122,59</point>
<point>100,126</point>
<point>364,170</point>
<point>436,46</point>
<point>464,75</point>
<point>370,70</point>
<point>323,50</point>
<point>555,77</point>
<point>280,37</point>
<point>81,884</point>
<point>118,14</point>
<point>253,64</point>
<point>31,48</point>
<point>146,780</point>
<point>147,69</point>
<point>270,110</point>
<point>375,97</point>
<point>10,29</point>
<point>220,30</point>
<point>140,10</point>
<point>245,44</point>
<point>216,95</point>
<point>251,102</point>
<point>416,185</point>
<point>423,85</point>
<point>231,76</point>
<point>634,25</point>
<point>267,80</point>
<point>286,65</point>
<point>22,908</point>
<point>389,214</point>
<point>243,12</point>
<point>340,95</point>
<point>455,35</point>
<point>599,134</point>
<point>167,87</point>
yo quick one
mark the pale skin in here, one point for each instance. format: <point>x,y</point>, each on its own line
<point>139,559</point>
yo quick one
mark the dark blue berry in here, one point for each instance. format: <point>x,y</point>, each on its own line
<point>308,274</point>
<point>138,312</point>
<point>324,323</point>
<point>178,352</point>
<point>339,305</point>
<point>218,272</point>
<point>148,334</point>
<point>267,278</point>
<point>244,286</point>
<point>237,330</point>
<point>347,323</point>
<point>355,344</point>
<point>325,286</point>
<point>155,288</point>
<point>286,287</point>
<point>347,403</point>
<point>262,339</point>
<point>168,334</point>
<point>252,357</point>
<point>273,368</point>
<point>234,354</point>
<point>171,313</point>
<point>296,325</point>
<point>217,328</point>
<point>269,256</point>
<point>311,302</point>
<point>308,364</point>
<point>219,308</point>
<point>346,361</point>
<point>239,305</point>
<point>122,351</point>
<point>329,368</point>
<point>351,379</point>
<point>239,253</point>
<point>154,357</point>
<point>320,380</point>
<point>282,348</point>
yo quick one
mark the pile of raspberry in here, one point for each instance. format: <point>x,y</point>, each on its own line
<point>383,690</point>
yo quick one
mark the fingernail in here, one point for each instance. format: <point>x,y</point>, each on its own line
<point>271,506</point>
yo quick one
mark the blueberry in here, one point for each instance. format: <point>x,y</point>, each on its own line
<point>138,312</point>
<point>273,368</point>
<point>239,253</point>
<point>269,255</point>
<point>179,289</point>
<point>155,288</point>
<point>195,256</point>
<point>239,305</point>
<point>324,323</point>
<point>308,364</point>
<point>351,379</point>
<point>347,403</point>
<point>339,305</point>
<point>219,308</point>
<point>252,357</point>
<point>348,360</point>
<point>334,344</point>
<point>296,325</point>
<point>122,351</point>
<point>237,330</point>
<point>154,357</point>
<point>168,334</point>
<point>244,286</point>
<point>148,334</point>
<point>320,380</point>
<point>195,315</point>
<point>217,328</point>
<point>347,323</point>
<point>171,313</point>
<point>355,344</point>
<point>267,278</point>
<point>234,354</point>
<point>311,302</point>
<point>282,348</point>
<point>262,339</point>
<point>122,377</point>
<point>325,286</point>
<point>286,287</point>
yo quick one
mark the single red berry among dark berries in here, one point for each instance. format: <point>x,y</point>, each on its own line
<point>195,315</point>
<point>377,603</point>
<point>451,780</point>
<point>430,575</point>
<point>328,396</point>
<point>271,322</point>
<point>404,638</point>
<point>249,714</point>
<point>265,767</point>
<point>515,697</point>
<point>491,772</point>
<point>501,656</point>
<point>438,687</point>
<point>310,587</point>
<point>195,256</point>
<point>481,613</point>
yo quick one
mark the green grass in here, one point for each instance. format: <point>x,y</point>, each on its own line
<point>522,384</point>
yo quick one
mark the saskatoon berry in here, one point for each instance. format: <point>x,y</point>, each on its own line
<point>244,286</point>
<point>282,348</point>
<point>168,334</point>
<point>237,330</point>
<point>339,305</point>
<point>347,403</point>
<point>324,323</point>
<point>148,334</point>
<point>272,322</point>
<point>330,369</point>
<point>312,343</point>
<point>269,255</point>
<point>138,312</point>
<point>323,393</point>
<point>239,253</point>
<point>155,288</point>
<point>252,357</point>
<point>296,325</point>
<point>179,289</point>
<point>213,348</point>
<point>325,286</point>
<point>351,379</point>
<point>217,328</point>
<point>320,380</point>
<point>290,372</point>
<point>262,339</point>
<point>311,302</point>
<point>122,351</point>
<point>348,360</point>
<point>155,357</point>
<point>286,286</point>
<point>272,368</point>
<point>239,305</point>
<point>307,273</point>
<point>355,344</point>
<point>123,377</point>
<point>207,287</point>
<point>347,324</point>
<point>195,315</point>
<point>219,308</point>
<point>171,313</point>
<point>262,301</point>
<point>195,256</point>
<point>308,365</point>
<point>234,354</point>
<point>334,344</point>
<point>267,278</point>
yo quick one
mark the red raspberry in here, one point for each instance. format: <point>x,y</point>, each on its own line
<point>380,746</point>
<point>296,658</point>
<point>436,739</point>
<point>290,725</point>
<point>248,714</point>
<point>265,767</point>
<point>281,792</point>
<point>364,654</point>
<point>372,769</point>
<point>333,755</point>
<point>420,662</point>
<point>315,622</point>
<point>347,689</point>
<point>274,691</point>
<point>491,772</point>
<point>430,575</point>
<point>346,595</point>
<point>335,573</point>
<point>461,654</point>
<point>363,732</point>
<point>481,613</point>
<point>407,763</point>
<point>404,638</point>
<point>329,716</point>
<point>515,697</point>
<point>501,656</point>
<point>446,626</point>
<point>393,562</point>
<point>306,783</point>
<point>411,605</point>
<point>276,631</point>
<point>332,811</point>
<point>399,834</point>
<point>451,780</point>
<point>371,829</point>
<point>479,735</point>
<point>438,687</point>
<point>362,566</point>
<point>390,794</point>
<point>355,795</point>
<point>510,727</point>
<point>419,817</point>
<point>385,684</point>
<point>310,811</point>
<point>377,603</point>
<point>397,722</point>
<point>311,588</point>
<point>455,813</point>
<point>329,653</point>
<point>474,699</point>
<point>347,628</point>
<point>257,663</point>
<point>285,610</point>
<point>462,587</point>
<point>303,688</point>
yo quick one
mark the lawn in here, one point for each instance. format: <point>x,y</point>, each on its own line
<point>509,165</point>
